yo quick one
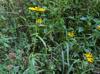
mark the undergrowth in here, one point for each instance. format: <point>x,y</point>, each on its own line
<point>64,39</point>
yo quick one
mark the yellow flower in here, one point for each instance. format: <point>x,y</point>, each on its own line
<point>89,57</point>
<point>98,27</point>
<point>71,34</point>
<point>39,20</point>
<point>38,9</point>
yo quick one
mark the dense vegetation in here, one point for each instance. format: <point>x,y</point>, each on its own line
<point>49,36</point>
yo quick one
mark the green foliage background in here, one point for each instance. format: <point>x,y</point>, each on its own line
<point>48,50</point>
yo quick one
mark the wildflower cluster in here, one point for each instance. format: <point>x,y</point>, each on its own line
<point>38,9</point>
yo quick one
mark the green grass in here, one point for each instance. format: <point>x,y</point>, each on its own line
<point>29,48</point>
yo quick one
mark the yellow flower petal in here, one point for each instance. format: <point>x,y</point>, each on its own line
<point>39,20</point>
<point>37,9</point>
<point>32,8</point>
<point>88,54</point>
<point>98,27</point>
<point>90,60</point>
<point>71,34</point>
<point>89,57</point>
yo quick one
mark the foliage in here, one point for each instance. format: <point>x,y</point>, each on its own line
<point>51,38</point>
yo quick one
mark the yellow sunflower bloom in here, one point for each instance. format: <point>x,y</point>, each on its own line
<point>71,34</point>
<point>39,20</point>
<point>89,57</point>
<point>98,27</point>
<point>38,9</point>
